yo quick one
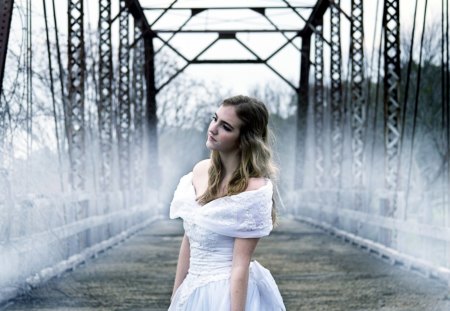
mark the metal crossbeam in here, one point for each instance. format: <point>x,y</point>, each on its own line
<point>256,8</point>
<point>228,31</point>
<point>76,135</point>
<point>105,104</point>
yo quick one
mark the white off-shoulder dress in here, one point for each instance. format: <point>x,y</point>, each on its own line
<point>211,230</point>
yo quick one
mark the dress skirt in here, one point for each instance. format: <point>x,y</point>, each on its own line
<point>195,294</point>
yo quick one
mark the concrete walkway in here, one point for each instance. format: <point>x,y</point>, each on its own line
<point>314,271</point>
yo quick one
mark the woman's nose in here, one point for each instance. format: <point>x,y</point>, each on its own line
<point>213,128</point>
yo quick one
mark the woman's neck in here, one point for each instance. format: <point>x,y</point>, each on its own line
<point>230,162</point>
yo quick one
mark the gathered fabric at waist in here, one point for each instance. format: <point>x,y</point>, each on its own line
<point>204,262</point>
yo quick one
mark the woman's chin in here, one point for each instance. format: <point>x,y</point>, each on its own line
<point>209,145</point>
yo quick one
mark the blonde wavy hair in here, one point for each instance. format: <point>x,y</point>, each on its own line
<point>254,151</point>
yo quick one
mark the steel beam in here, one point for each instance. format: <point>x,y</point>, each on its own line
<point>357,90</point>
<point>76,80</point>
<point>149,70</point>
<point>230,8</point>
<point>6,8</point>
<point>392,111</point>
<point>302,111</point>
<point>138,111</point>
<point>229,31</point>
<point>124,111</point>
<point>151,117</point>
<point>391,26</point>
<point>105,104</point>
<point>336,96</point>
<point>315,18</point>
<point>318,107</point>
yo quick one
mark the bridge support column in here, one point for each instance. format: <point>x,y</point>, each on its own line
<point>151,118</point>
<point>319,106</point>
<point>6,8</point>
<point>392,113</point>
<point>358,105</point>
<point>336,109</point>
<point>302,111</point>
<point>336,97</point>
<point>138,106</point>
<point>124,112</point>
<point>77,65</point>
<point>105,104</point>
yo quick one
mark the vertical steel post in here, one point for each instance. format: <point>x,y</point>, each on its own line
<point>151,118</point>
<point>138,105</point>
<point>105,104</point>
<point>358,105</point>
<point>6,8</point>
<point>318,105</point>
<point>76,79</point>
<point>124,112</point>
<point>357,99</point>
<point>302,110</point>
<point>336,97</point>
<point>392,112</point>
<point>150,88</point>
<point>391,90</point>
<point>357,82</point>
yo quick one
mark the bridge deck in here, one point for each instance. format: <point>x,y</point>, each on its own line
<point>313,270</point>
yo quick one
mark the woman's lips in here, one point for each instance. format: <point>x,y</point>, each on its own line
<point>211,138</point>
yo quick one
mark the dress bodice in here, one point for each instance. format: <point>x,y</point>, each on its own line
<point>210,252</point>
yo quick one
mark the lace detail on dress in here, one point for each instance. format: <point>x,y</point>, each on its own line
<point>192,282</point>
<point>244,215</point>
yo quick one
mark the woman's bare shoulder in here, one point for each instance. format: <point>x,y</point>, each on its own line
<point>201,168</point>
<point>255,183</point>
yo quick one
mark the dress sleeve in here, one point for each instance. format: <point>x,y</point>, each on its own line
<point>183,199</point>
<point>246,215</point>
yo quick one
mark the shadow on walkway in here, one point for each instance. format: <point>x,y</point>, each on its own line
<point>314,271</point>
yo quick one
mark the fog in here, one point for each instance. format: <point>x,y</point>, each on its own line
<point>47,228</point>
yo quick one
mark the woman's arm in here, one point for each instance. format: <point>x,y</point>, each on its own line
<point>242,254</point>
<point>183,264</point>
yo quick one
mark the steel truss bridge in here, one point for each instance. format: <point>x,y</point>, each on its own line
<point>337,103</point>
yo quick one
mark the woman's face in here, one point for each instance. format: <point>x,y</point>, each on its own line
<point>224,130</point>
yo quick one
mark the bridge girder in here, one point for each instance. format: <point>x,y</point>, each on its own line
<point>319,107</point>
<point>76,81</point>
<point>105,104</point>
<point>336,96</point>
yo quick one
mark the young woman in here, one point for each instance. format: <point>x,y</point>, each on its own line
<point>226,206</point>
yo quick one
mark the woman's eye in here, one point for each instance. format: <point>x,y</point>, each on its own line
<point>214,118</point>
<point>227,128</point>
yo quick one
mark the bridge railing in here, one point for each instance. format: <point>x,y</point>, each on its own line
<point>416,236</point>
<point>41,237</point>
